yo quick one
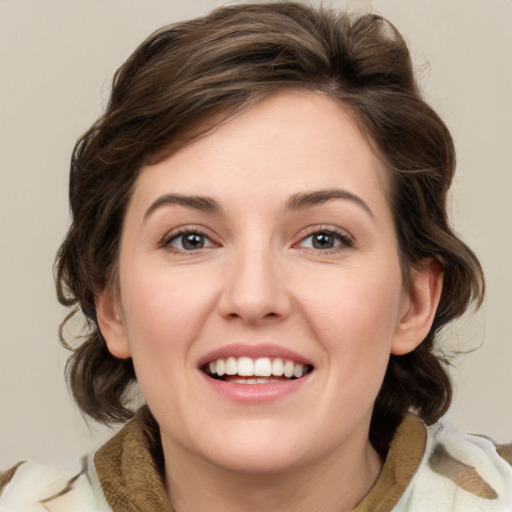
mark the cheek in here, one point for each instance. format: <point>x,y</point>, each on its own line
<point>354,314</point>
<point>350,300</point>
<point>165,310</point>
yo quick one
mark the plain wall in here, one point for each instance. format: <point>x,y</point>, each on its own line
<point>56,61</point>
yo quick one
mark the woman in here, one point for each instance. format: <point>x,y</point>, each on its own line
<point>260,241</point>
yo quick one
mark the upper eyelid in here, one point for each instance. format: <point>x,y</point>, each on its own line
<point>301,235</point>
<point>346,239</point>
<point>183,230</point>
<point>325,228</point>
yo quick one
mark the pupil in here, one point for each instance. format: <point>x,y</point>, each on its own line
<point>193,241</point>
<point>323,241</point>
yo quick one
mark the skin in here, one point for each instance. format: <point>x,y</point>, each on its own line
<point>259,279</point>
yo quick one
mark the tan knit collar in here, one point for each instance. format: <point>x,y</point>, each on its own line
<point>403,459</point>
<point>129,467</point>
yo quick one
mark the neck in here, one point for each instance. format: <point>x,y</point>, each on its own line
<point>336,483</point>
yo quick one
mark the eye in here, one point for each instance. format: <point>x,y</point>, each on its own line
<point>187,241</point>
<point>325,240</point>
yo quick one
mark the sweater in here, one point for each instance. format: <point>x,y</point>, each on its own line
<point>426,470</point>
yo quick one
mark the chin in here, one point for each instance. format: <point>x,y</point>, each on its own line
<point>261,447</point>
<point>258,459</point>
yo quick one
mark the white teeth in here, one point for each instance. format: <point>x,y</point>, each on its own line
<point>231,366</point>
<point>288,369</point>
<point>221,367</point>
<point>261,367</point>
<point>253,381</point>
<point>245,367</point>
<point>277,367</point>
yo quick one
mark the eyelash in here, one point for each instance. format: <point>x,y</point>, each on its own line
<point>340,236</point>
<point>176,235</point>
<point>345,241</point>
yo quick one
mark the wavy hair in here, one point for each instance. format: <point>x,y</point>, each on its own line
<point>221,64</point>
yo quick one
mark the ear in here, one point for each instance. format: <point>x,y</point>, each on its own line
<point>111,324</point>
<point>420,306</point>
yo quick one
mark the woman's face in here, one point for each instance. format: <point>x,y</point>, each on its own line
<point>265,247</point>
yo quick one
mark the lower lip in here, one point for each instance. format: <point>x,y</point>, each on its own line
<point>255,393</point>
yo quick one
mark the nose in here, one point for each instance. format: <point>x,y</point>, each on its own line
<point>254,288</point>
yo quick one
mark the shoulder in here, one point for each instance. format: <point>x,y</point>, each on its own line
<point>37,487</point>
<point>461,472</point>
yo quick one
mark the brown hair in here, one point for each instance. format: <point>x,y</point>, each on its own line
<point>223,63</point>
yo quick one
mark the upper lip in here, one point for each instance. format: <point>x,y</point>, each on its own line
<point>254,352</point>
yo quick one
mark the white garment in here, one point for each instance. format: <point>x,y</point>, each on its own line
<point>440,483</point>
<point>430,491</point>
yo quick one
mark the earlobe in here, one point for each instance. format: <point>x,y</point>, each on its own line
<point>423,298</point>
<point>111,325</point>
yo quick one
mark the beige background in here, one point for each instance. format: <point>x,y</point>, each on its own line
<point>56,59</point>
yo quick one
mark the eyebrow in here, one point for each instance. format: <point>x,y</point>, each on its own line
<point>298,201</point>
<point>201,203</point>
<point>306,199</point>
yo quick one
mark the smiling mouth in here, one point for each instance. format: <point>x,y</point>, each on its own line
<point>263,370</point>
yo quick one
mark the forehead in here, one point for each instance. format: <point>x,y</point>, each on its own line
<point>289,142</point>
